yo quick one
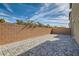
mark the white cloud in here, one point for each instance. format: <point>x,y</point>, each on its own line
<point>3,14</point>
<point>8,21</point>
<point>61,8</point>
<point>58,21</point>
<point>47,4</point>
<point>16,17</point>
<point>48,10</point>
<point>63,17</point>
<point>45,10</point>
<point>8,17</point>
<point>8,7</point>
<point>44,20</point>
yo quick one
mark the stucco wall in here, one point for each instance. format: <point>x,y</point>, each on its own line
<point>75,21</point>
<point>61,30</point>
<point>13,32</point>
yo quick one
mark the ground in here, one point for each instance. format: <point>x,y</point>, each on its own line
<point>60,45</point>
<point>46,45</point>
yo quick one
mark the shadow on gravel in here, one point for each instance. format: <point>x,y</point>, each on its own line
<point>65,46</point>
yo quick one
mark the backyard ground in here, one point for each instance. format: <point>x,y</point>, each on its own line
<point>46,45</point>
<point>36,41</point>
<point>54,45</point>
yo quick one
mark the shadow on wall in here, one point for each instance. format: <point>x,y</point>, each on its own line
<point>61,30</point>
<point>64,46</point>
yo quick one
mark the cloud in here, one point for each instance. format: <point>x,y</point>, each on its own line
<point>61,8</point>
<point>3,14</point>
<point>53,14</point>
<point>8,7</point>
<point>44,8</point>
<point>8,20</point>
<point>58,21</point>
<point>62,17</point>
<point>44,20</point>
<point>49,13</point>
<point>47,4</point>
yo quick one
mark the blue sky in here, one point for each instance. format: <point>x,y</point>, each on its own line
<point>56,14</point>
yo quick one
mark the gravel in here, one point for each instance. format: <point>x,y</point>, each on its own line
<point>59,45</point>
